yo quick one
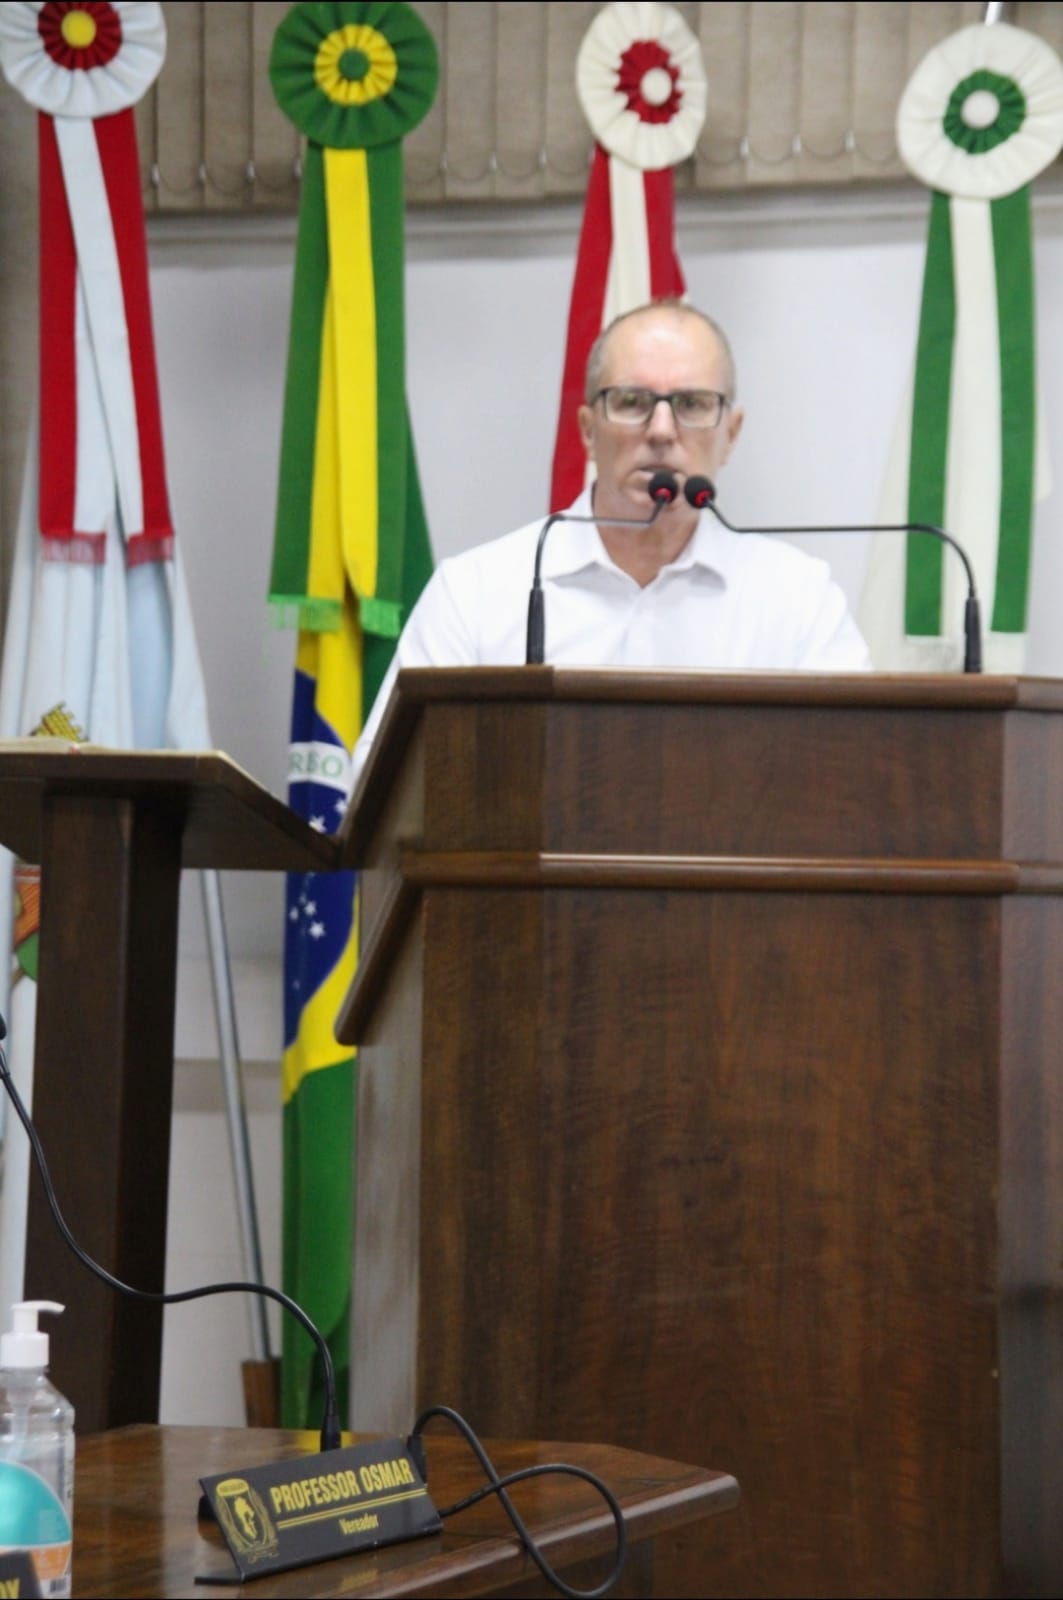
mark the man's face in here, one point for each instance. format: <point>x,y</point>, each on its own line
<point>663,351</point>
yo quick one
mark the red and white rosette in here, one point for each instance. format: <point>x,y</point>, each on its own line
<point>641,83</point>
<point>84,66</point>
<point>81,60</point>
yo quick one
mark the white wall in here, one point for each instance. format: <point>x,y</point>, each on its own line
<point>820,295</point>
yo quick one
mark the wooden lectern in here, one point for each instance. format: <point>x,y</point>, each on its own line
<point>112,830</point>
<point>711,1101</point>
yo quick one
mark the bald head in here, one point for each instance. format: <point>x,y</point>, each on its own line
<point>598,360</point>
<point>664,351</point>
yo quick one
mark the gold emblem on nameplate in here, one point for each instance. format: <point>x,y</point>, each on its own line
<point>243,1512</point>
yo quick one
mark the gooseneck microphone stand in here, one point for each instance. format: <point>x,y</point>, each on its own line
<point>701,494</point>
<point>662,488</point>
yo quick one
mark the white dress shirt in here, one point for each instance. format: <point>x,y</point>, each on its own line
<point>728,602</point>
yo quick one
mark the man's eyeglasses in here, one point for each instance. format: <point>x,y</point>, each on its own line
<point>691,408</point>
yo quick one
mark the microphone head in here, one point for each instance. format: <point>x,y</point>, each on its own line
<point>700,492</point>
<point>663,488</point>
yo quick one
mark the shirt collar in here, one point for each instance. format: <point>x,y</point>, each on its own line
<point>572,547</point>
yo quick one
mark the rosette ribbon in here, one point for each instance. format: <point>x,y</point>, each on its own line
<point>981,116</point>
<point>99,643</point>
<point>351,554</point>
<point>83,66</point>
<point>354,78</point>
<point>642,87</point>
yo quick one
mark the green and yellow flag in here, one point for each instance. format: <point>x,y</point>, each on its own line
<point>351,555</point>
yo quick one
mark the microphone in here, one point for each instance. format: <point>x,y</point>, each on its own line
<point>701,494</point>
<point>662,488</point>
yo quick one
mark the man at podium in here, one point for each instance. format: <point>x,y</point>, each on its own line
<point>681,591</point>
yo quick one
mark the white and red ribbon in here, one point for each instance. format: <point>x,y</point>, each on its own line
<point>84,66</point>
<point>642,86</point>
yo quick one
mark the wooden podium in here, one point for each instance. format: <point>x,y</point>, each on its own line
<point>711,1101</point>
<point>112,830</point>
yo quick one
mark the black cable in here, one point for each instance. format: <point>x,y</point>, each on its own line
<point>498,1485</point>
<point>330,1425</point>
<point>566,1468</point>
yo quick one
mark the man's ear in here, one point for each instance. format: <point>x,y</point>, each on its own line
<point>735,418</point>
<point>586,430</point>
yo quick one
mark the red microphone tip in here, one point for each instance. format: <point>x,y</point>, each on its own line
<point>663,488</point>
<point>699,491</point>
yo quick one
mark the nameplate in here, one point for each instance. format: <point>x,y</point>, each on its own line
<point>314,1508</point>
<point>18,1576</point>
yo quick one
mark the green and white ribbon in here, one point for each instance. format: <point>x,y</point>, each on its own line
<point>980,118</point>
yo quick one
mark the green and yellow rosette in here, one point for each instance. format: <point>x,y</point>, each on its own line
<point>354,79</point>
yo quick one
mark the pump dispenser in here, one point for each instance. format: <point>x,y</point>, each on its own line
<point>36,1452</point>
<point>25,1345</point>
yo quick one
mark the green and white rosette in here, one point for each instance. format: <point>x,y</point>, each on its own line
<point>981,116</point>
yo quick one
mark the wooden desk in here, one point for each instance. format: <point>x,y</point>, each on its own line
<point>135,1529</point>
<point>112,831</point>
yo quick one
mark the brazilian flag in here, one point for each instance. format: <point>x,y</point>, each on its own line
<point>351,555</point>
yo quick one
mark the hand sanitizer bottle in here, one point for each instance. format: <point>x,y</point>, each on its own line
<point>36,1453</point>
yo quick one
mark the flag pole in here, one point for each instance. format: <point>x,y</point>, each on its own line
<point>260,1376</point>
<point>14,1152</point>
